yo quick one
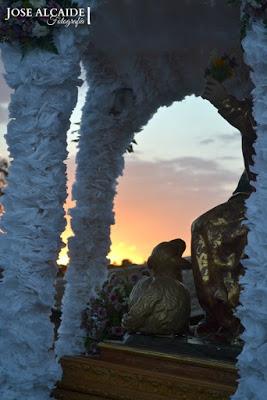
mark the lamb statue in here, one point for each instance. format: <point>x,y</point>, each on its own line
<point>160,304</point>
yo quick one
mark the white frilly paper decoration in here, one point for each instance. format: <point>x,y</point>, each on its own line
<point>45,93</point>
<point>111,116</point>
<point>103,141</point>
<point>252,362</point>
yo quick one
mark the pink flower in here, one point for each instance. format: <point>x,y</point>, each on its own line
<point>113,297</point>
<point>101,312</point>
<point>117,331</point>
<point>134,278</point>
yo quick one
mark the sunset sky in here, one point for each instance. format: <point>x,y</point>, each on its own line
<point>187,160</point>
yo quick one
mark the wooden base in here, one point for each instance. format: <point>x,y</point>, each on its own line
<point>125,373</point>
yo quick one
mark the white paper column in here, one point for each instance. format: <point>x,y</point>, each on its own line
<point>45,93</point>
<point>111,116</point>
<point>252,362</point>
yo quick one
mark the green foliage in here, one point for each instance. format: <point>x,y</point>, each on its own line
<point>130,148</point>
<point>30,32</point>
<point>251,9</point>
<point>245,20</point>
<point>234,2</point>
<point>46,43</point>
<point>221,68</point>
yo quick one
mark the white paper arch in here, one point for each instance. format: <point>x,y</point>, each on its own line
<point>126,88</point>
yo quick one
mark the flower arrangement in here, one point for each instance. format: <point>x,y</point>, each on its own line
<point>256,8</point>
<point>30,32</point>
<point>221,68</point>
<point>251,9</point>
<point>102,319</point>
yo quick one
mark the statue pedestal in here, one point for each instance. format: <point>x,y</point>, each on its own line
<point>131,373</point>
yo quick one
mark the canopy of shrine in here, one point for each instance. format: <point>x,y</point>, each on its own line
<point>168,42</point>
<point>138,55</point>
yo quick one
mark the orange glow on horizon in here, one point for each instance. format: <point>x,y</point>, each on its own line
<point>157,201</point>
<point>63,258</point>
<point>140,225</point>
<point>119,250</point>
<point>124,246</point>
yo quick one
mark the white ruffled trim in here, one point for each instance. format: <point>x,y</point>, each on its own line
<point>45,94</point>
<point>105,136</point>
<point>252,362</point>
<point>103,142</point>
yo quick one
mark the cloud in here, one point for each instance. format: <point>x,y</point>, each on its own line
<point>3,114</point>
<point>4,89</point>
<point>4,97</point>
<point>206,141</point>
<point>159,200</point>
<point>229,158</point>
<point>222,137</point>
<point>184,174</point>
<point>233,137</point>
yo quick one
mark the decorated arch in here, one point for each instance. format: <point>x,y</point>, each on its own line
<point>138,56</point>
